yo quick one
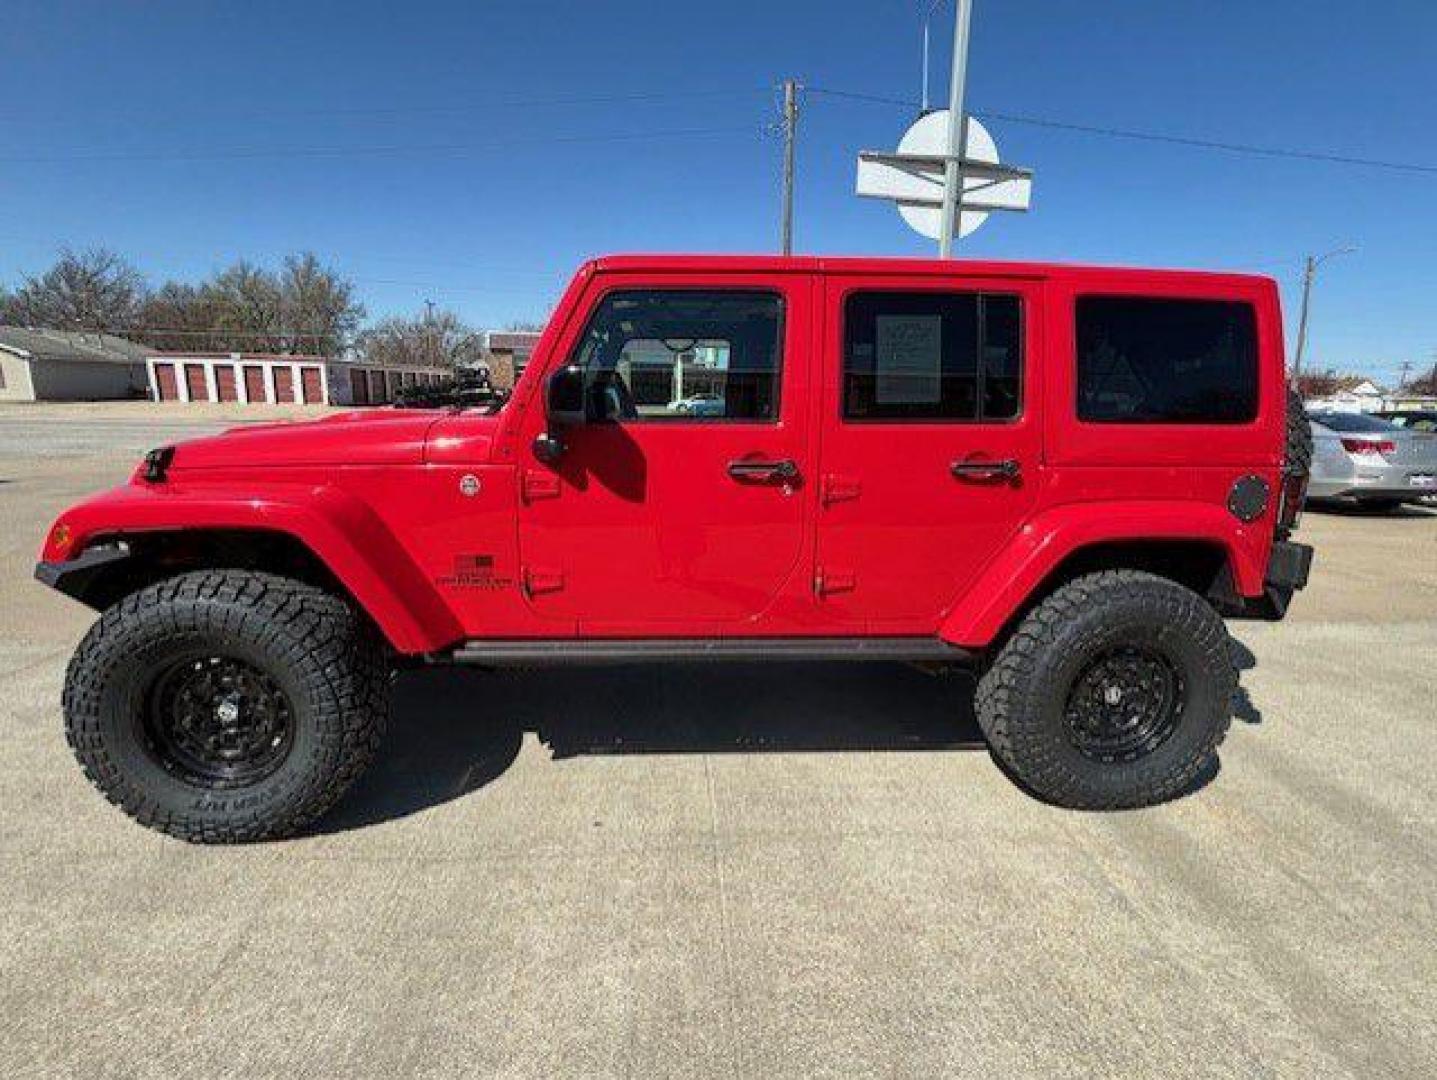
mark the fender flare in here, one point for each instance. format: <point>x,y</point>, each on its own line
<point>340,530</point>
<point>1046,540</point>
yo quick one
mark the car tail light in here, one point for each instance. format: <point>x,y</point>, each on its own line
<point>1369,446</point>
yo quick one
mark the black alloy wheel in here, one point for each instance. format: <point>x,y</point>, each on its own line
<point>218,722</point>
<point>1124,704</point>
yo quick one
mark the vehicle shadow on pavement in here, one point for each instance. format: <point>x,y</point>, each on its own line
<point>454,731</point>
<point>1243,707</point>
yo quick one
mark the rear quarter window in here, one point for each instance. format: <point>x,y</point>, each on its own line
<point>1158,360</point>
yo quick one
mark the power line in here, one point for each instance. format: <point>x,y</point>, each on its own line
<point>416,110</point>
<point>1328,157</point>
<point>244,153</point>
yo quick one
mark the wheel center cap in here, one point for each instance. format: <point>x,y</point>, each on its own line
<point>227,711</point>
<point>1113,695</point>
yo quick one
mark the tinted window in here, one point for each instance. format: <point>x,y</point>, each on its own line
<point>683,355</point>
<point>1337,421</point>
<point>932,356</point>
<point>1144,360</point>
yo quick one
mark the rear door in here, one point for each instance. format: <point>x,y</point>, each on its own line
<point>929,444</point>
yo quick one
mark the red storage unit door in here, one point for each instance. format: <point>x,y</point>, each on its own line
<point>195,381</point>
<point>225,382</point>
<point>313,388</point>
<point>254,384</point>
<point>165,382</point>
<point>284,385</point>
<point>358,386</point>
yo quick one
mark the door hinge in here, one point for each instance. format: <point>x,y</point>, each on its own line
<point>538,484</point>
<point>826,582</point>
<point>837,489</point>
<point>538,581</point>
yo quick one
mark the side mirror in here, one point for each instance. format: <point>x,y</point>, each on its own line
<point>548,447</point>
<point>564,397</point>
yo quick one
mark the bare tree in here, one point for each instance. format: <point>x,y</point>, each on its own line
<point>441,339</point>
<point>90,290</point>
<point>178,317</point>
<point>305,307</point>
<point>1424,384</point>
<point>320,313</point>
<point>245,302</point>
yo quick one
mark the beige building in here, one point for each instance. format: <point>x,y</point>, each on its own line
<point>63,365</point>
<point>506,354</point>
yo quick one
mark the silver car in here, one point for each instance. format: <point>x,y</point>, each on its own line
<point>1368,459</point>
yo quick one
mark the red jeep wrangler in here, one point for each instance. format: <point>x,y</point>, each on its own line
<point>1061,477</point>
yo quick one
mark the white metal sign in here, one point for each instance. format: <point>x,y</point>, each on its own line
<point>913,177</point>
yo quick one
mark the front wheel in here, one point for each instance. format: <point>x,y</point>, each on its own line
<point>1113,692</point>
<point>225,706</point>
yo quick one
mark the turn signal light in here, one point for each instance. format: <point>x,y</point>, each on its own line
<point>1369,446</point>
<point>60,537</point>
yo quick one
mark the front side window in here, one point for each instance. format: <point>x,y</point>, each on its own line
<point>683,355</point>
<point>1152,360</point>
<point>932,356</point>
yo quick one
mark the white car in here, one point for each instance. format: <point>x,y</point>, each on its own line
<point>1370,460</point>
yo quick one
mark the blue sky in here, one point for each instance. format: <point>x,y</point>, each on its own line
<point>455,151</point>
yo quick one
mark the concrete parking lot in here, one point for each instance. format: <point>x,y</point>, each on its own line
<point>756,872</point>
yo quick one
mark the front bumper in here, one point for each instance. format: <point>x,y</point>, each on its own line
<point>73,577</point>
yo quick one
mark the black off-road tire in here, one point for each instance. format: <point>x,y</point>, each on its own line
<point>325,658</point>
<point>1023,697</point>
<point>1297,454</point>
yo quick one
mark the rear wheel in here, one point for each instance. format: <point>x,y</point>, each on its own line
<point>226,705</point>
<point>1113,692</point>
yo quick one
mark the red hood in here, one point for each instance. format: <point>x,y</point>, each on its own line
<point>362,437</point>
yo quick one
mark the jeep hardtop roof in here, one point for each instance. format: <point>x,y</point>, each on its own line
<point>849,264</point>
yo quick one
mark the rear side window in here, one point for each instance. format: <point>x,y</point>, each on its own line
<point>1151,360</point>
<point>932,356</point>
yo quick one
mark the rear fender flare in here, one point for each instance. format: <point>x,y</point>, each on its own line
<point>1046,540</point>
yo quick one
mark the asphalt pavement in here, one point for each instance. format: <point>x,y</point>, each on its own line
<point>745,871</point>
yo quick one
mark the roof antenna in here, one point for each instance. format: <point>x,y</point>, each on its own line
<point>929,7</point>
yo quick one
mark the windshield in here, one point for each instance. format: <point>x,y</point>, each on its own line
<point>1351,422</point>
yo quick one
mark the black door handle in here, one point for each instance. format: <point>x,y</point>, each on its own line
<point>1007,469</point>
<point>784,469</point>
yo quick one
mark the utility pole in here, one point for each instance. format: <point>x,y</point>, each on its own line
<point>1309,272</point>
<point>790,137</point>
<point>429,349</point>
<point>1406,370</point>
<point>957,130</point>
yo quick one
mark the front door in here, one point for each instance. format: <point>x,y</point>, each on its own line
<point>930,442</point>
<point>679,510</point>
